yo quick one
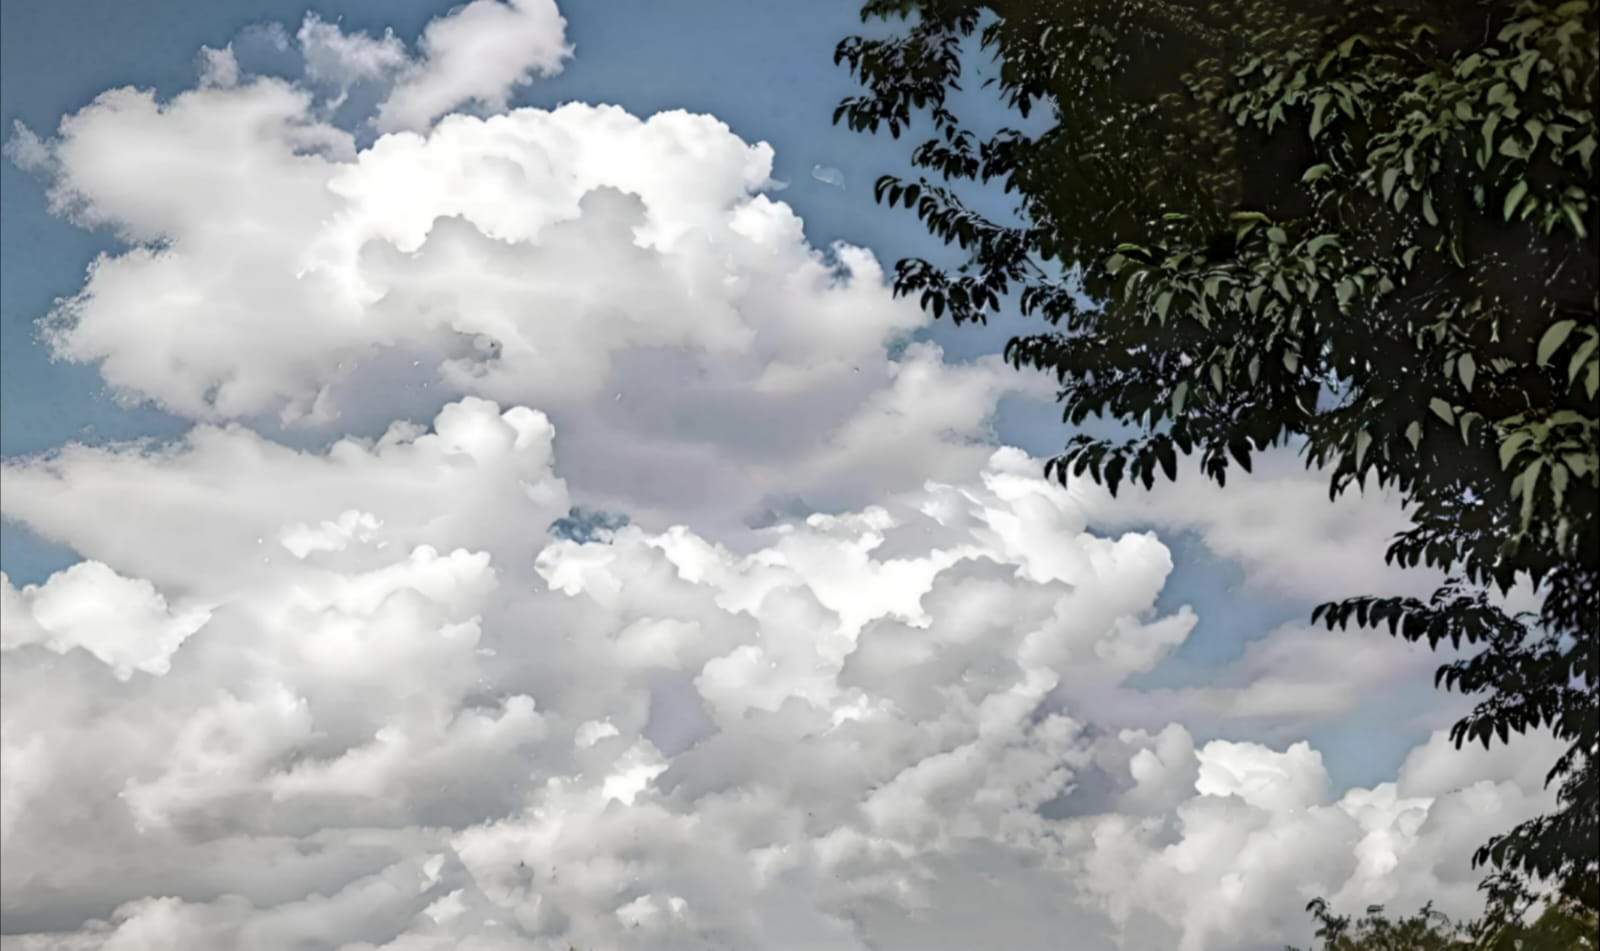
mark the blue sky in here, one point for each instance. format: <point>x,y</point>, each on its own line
<point>153,530</point>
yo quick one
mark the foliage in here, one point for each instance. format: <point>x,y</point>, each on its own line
<point>1364,229</point>
<point>1505,926</point>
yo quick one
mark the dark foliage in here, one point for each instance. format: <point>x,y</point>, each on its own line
<point>1364,229</point>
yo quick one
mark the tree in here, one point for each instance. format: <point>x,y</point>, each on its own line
<point>1366,229</point>
<point>1507,925</point>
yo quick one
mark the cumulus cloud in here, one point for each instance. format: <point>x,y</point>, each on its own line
<point>475,56</point>
<point>626,276</point>
<point>1232,864</point>
<point>124,622</point>
<point>436,724</point>
<point>431,674</point>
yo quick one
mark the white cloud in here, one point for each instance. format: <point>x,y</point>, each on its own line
<point>447,488</point>
<point>435,725</point>
<point>124,622</point>
<point>873,687</point>
<point>1232,865</point>
<point>1285,680</point>
<point>626,276</point>
<point>26,149</point>
<point>476,55</point>
<point>1293,779</point>
<point>218,67</point>
<point>342,59</point>
<point>1278,525</point>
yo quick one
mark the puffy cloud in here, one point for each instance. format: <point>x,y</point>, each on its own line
<point>1232,864</point>
<point>218,67</point>
<point>1293,779</point>
<point>438,725</point>
<point>123,622</point>
<point>476,55</point>
<point>355,504</point>
<point>399,662</point>
<point>342,59</point>
<point>626,276</point>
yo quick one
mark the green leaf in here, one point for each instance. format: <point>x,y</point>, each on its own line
<point>1581,356</point>
<point>1319,105</point>
<point>1573,221</point>
<point>1514,198</point>
<point>1442,410</point>
<point>1468,368</point>
<point>1519,72</point>
<point>1179,394</point>
<point>1428,213</point>
<point>1553,338</point>
<point>1389,176</point>
<point>1414,434</point>
<point>1530,486</point>
<point>1489,125</point>
<point>1168,459</point>
<point>1315,172</point>
<point>1585,149</point>
<point>1363,443</point>
<point>1511,445</point>
<point>1163,304</point>
<point>1216,377</point>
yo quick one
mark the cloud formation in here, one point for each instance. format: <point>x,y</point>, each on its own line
<point>626,276</point>
<point>474,56</point>
<point>846,676</point>
<point>405,716</point>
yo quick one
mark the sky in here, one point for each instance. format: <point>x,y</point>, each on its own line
<point>323,326</point>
